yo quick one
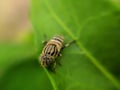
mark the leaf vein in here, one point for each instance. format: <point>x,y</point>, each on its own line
<point>90,19</point>
<point>88,54</point>
<point>51,80</point>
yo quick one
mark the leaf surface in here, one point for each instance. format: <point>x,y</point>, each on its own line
<point>91,62</point>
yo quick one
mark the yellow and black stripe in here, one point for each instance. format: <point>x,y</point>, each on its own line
<point>51,50</point>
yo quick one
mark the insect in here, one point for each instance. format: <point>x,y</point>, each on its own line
<point>51,51</point>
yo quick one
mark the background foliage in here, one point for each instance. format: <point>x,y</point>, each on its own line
<point>91,63</point>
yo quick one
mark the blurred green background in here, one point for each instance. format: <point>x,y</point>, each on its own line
<point>91,63</point>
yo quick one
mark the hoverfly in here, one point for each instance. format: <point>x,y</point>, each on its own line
<point>51,51</point>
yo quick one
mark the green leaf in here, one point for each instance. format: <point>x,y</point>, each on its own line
<point>19,70</point>
<point>25,76</point>
<point>11,54</point>
<point>94,24</point>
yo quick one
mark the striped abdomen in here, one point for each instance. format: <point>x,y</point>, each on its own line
<point>54,46</point>
<point>51,50</point>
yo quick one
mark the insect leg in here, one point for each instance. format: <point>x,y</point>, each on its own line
<point>44,42</point>
<point>53,67</point>
<point>60,54</point>
<point>59,63</point>
<point>45,39</point>
<point>59,59</point>
<point>68,44</point>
